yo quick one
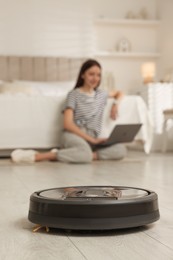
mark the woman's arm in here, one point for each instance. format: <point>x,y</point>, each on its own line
<point>70,126</point>
<point>117,95</point>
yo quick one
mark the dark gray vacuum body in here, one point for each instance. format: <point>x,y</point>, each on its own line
<point>93,207</point>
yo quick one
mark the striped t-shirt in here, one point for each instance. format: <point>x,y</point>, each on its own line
<point>88,109</point>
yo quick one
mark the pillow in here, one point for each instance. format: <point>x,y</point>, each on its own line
<point>12,88</point>
<point>56,88</point>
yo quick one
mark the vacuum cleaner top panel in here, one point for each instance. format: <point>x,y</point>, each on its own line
<point>94,193</point>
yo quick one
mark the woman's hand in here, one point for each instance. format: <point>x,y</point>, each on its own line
<point>114,112</point>
<point>117,95</point>
<point>98,140</point>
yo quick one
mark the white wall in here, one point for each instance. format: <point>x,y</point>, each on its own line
<point>65,28</point>
<point>166,39</point>
<point>45,27</point>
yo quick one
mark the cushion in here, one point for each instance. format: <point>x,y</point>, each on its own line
<point>48,88</point>
<point>12,88</point>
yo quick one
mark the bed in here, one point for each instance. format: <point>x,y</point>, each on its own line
<point>32,93</point>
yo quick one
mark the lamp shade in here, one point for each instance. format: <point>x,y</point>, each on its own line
<point>148,70</point>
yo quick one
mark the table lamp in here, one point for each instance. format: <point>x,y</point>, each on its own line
<point>148,70</point>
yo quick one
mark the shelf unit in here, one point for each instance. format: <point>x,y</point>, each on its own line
<point>126,54</point>
<point>112,22</point>
<point>127,22</point>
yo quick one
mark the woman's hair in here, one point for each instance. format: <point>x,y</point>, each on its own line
<point>85,66</point>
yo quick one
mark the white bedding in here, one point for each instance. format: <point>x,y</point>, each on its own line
<point>132,109</point>
<point>36,121</point>
<point>30,121</point>
<point>36,88</point>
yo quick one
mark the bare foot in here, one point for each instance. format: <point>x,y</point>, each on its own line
<point>49,156</point>
<point>95,156</point>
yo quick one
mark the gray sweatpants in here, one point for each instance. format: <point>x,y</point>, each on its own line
<point>76,150</point>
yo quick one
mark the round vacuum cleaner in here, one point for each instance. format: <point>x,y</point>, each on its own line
<point>93,207</point>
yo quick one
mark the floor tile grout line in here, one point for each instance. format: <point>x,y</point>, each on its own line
<point>170,248</point>
<point>77,248</point>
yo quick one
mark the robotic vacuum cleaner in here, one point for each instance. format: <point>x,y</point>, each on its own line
<point>93,207</point>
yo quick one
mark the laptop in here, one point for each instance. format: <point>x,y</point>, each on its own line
<point>121,134</point>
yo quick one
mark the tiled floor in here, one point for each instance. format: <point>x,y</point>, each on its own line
<point>17,182</point>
